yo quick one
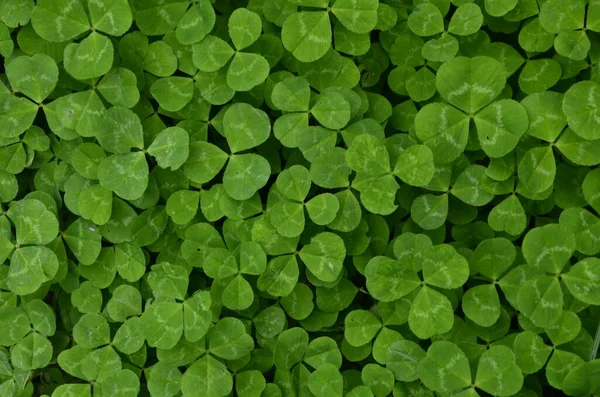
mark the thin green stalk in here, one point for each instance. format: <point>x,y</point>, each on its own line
<point>596,344</point>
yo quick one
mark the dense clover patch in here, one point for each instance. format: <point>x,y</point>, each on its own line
<point>299,198</point>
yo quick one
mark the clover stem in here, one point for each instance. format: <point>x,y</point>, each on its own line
<point>596,343</point>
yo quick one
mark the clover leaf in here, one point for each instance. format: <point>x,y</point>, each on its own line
<point>299,198</point>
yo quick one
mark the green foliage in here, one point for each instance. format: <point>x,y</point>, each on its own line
<point>299,198</point>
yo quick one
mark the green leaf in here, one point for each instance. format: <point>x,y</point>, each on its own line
<point>589,187</point>
<point>91,331</point>
<point>508,216</point>
<point>420,85</point>
<point>331,110</point>
<point>173,93</point>
<point>409,249</point>
<point>60,20</point>
<point>493,257</point>
<point>112,17</point>
<point>430,211</point>
<point>204,162</point>
<point>183,205</point>
<point>430,314</point>
<point>162,324</point>
<point>481,304</point>
<point>537,169</point>
<point>280,276</point>
<point>245,175</point>
<point>170,148</point>
<point>16,115</point>
<point>298,304</point>
<point>498,372</point>
<point>288,218</point>
<point>444,129</point>
<point>246,71</point>
<point>32,352</point>
<point>582,281</point>
<point>307,34</point>
<point>250,383</point>
<point>530,352</point>
<point>119,384</point>
<point>469,186</point>
<point>160,59</point>
<point>533,37</point>
<point>415,165</point>
<point>129,339</point>
<point>388,281</point>
<point>356,17</point>
<point>549,247</point>
<point>367,154</point>
<point>229,340</point>
<point>245,127</point>
<point>445,268</point>
<point>323,350</point>
<point>197,22</point>
<point>41,317</point>
<point>294,183</point>
<point>73,389</point>
<point>119,130</point>
<point>197,316</point>
<point>92,57</point>
<point>559,366</point>
<point>34,223</point>
<point>578,150</point>
<point>253,259</point>
<point>17,325</point>
<point>546,115</point>
<point>290,348</point>
<point>87,298</point>
<point>582,114</point>
<point>84,241</point>
<point>326,381</point>
<point>292,94</point>
<point>270,321</point>
<point>95,204</point>
<point>470,84</point>
<point>168,280</point>
<point>76,114</point>
<point>324,256</point>
<point>538,75</point>
<point>30,267</point>
<point>403,358</point>
<point>565,329</point>
<point>34,76</point>
<point>498,8</point>
<point>426,20</point>
<point>445,369</point>
<point>245,27</point>
<point>541,300</point>
<point>206,377</point>
<point>437,50</point>
<point>16,12</point>
<point>101,363</point>
<point>573,45</point>
<point>163,378</point>
<point>211,54</point>
<point>467,20</point>
<point>500,127</point>
<point>238,294</point>
<point>125,174</point>
<point>323,209</point>
<point>126,301</point>
<point>360,327</point>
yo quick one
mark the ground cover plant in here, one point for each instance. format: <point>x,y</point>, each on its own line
<point>299,198</point>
